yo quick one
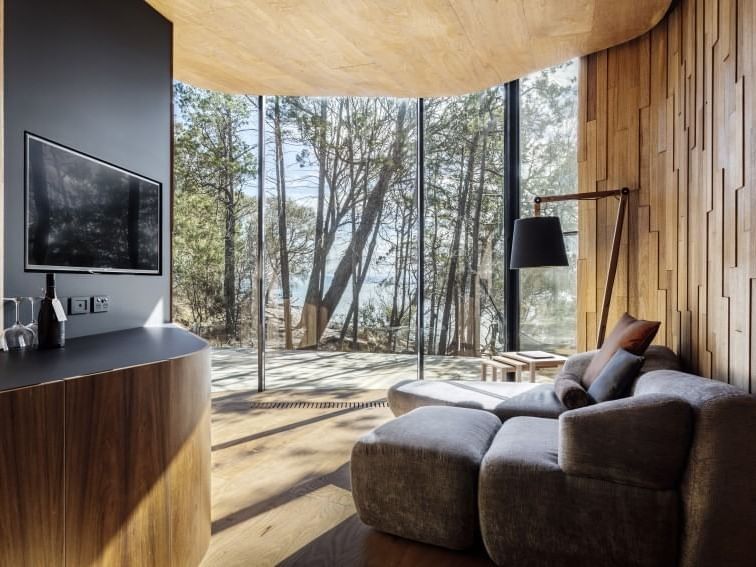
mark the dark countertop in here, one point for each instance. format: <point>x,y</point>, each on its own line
<point>96,353</point>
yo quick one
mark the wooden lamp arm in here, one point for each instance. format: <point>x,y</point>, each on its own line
<point>588,196</point>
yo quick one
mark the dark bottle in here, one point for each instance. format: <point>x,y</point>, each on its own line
<point>52,318</point>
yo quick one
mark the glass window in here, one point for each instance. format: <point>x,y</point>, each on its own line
<point>464,297</point>
<point>341,226</point>
<point>548,166</point>
<point>214,232</point>
<point>340,270</point>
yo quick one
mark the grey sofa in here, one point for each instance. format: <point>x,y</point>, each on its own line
<point>661,478</point>
<point>507,399</point>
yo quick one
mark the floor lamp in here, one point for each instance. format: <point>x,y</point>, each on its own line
<point>538,242</point>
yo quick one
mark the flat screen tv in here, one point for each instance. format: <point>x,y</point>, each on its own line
<point>87,215</point>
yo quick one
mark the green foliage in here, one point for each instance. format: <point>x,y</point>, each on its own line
<point>464,200</point>
<point>197,260</point>
<point>214,163</point>
<point>300,231</point>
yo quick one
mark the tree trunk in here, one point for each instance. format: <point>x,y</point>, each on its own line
<point>454,249</point>
<point>363,274</point>
<point>395,316</point>
<point>473,324</point>
<point>311,310</point>
<point>282,234</point>
<point>229,242</point>
<point>370,214</point>
<point>434,279</point>
<point>356,268</point>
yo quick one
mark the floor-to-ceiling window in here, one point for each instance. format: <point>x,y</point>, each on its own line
<point>548,166</point>
<point>464,260</point>
<point>214,215</point>
<point>335,262</point>
<point>340,232</point>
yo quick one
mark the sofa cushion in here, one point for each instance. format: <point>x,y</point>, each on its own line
<point>616,378</point>
<point>416,476</point>
<point>634,335</point>
<point>540,401</point>
<point>534,514</point>
<point>500,398</point>
<point>658,357</point>
<point>570,392</point>
<point>407,395</point>
<point>641,441</point>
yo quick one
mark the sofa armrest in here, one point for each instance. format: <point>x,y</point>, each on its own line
<point>641,441</point>
<point>577,363</point>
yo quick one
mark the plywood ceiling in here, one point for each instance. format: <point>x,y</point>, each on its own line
<point>389,47</point>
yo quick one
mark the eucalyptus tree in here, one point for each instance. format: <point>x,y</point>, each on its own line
<point>214,157</point>
<point>359,148</point>
<point>463,161</point>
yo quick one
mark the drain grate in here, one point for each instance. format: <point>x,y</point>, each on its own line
<point>318,405</point>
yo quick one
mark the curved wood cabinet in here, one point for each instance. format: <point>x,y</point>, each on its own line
<point>111,468</point>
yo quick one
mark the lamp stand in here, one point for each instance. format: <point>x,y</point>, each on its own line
<point>616,240</point>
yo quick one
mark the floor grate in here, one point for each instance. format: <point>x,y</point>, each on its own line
<point>319,405</point>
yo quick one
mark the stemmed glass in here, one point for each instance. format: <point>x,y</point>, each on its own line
<point>3,343</point>
<point>18,336</point>
<point>33,326</point>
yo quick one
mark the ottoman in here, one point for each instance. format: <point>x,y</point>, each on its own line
<point>417,475</point>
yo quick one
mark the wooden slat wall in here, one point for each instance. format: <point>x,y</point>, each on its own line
<point>672,114</point>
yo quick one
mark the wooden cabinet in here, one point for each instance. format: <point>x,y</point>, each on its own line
<point>190,449</point>
<point>133,446</point>
<point>31,476</point>
<point>137,465</point>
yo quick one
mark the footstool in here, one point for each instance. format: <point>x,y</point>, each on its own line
<point>417,475</point>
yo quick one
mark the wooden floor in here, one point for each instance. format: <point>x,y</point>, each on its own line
<point>281,493</point>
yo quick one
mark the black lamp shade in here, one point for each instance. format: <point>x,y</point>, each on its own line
<point>538,242</point>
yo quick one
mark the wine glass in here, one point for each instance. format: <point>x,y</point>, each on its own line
<point>33,326</point>
<point>3,344</point>
<point>18,336</point>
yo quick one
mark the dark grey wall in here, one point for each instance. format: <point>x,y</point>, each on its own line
<point>94,75</point>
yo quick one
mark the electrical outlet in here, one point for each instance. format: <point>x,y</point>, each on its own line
<point>100,304</point>
<point>78,305</point>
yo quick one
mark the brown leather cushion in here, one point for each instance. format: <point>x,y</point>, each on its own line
<point>633,335</point>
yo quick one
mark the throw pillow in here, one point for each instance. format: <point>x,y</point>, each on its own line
<point>570,392</point>
<point>633,335</point>
<point>616,378</point>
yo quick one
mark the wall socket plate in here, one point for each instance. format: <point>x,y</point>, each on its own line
<point>78,305</point>
<point>100,304</point>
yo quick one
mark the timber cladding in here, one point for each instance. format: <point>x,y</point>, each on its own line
<point>671,113</point>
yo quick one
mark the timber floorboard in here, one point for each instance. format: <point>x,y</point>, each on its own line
<point>281,493</point>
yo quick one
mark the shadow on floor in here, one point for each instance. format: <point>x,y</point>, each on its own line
<point>339,477</point>
<point>352,543</point>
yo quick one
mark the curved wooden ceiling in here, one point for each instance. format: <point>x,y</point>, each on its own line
<point>389,47</point>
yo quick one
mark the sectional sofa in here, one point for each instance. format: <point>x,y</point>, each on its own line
<point>660,478</point>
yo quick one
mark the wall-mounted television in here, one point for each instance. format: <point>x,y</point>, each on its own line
<point>86,215</point>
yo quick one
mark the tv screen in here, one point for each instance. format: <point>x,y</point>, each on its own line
<point>86,215</point>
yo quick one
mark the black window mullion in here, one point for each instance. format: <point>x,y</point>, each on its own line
<point>511,189</point>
